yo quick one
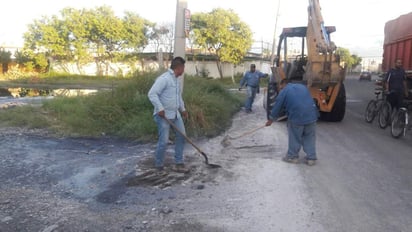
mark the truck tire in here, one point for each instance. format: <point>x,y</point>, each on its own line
<point>338,111</point>
<point>269,101</point>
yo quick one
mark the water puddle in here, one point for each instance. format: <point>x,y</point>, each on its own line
<point>11,97</point>
<point>37,92</point>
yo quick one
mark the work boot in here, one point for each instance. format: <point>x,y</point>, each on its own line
<point>180,168</point>
<point>290,160</point>
<point>160,171</point>
<point>310,162</point>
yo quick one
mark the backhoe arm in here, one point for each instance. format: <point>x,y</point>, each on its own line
<point>316,27</point>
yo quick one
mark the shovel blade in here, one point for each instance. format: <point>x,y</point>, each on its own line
<point>213,166</point>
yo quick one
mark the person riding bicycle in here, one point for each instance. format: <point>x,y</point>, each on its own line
<point>395,84</point>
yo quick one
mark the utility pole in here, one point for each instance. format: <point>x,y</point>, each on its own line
<point>272,58</point>
<point>182,17</point>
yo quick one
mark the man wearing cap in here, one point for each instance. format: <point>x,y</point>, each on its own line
<point>251,80</point>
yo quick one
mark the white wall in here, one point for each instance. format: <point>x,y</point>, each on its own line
<point>208,67</point>
<point>228,69</point>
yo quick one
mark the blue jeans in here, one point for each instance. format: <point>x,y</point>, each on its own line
<point>251,94</point>
<point>302,136</point>
<point>163,133</point>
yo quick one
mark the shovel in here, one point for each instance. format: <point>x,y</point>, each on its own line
<point>226,140</point>
<point>194,145</point>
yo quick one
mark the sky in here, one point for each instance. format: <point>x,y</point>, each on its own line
<point>359,23</point>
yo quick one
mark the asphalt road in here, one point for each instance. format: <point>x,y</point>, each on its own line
<point>363,180</point>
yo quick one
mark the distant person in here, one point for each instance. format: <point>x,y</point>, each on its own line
<point>166,97</point>
<point>302,115</point>
<point>395,84</point>
<point>251,79</point>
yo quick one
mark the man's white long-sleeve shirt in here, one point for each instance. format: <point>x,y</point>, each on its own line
<point>165,94</point>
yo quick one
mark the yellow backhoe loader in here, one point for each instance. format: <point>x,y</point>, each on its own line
<point>307,55</point>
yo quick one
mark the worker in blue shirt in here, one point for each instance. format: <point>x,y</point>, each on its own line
<point>302,115</point>
<point>251,80</point>
<point>166,97</point>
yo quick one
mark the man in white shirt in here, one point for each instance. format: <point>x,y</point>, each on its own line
<point>166,97</point>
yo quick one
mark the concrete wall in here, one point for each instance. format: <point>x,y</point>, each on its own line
<point>201,68</point>
<point>210,67</point>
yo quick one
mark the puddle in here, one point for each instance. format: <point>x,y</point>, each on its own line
<point>37,92</point>
<point>11,97</point>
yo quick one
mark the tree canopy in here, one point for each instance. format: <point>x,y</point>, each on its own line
<point>87,35</point>
<point>223,34</point>
<point>349,60</point>
<point>97,35</point>
<point>5,59</point>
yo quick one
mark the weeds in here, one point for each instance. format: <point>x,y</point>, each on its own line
<point>24,116</point>
<point>125,111</point>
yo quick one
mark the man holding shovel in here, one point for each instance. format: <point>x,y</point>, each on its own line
<point>166,97</point>
<point>302,116</point>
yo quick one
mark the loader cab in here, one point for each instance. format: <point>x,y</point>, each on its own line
<point>311,65</point>
<point>292,53</point>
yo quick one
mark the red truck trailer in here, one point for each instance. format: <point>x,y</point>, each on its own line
<point>398,43</point>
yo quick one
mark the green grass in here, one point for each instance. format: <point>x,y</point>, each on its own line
<point>126,112</point>
<point>24,116</point>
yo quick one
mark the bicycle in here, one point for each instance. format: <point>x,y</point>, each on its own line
<point>400,121</point>
<point>379,107</point>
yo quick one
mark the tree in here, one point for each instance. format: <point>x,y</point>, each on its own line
<point>44,38</point>
<point>162,38</point>
<point>87,35</point>
<point>349,60</point>
<point>5,59</point>
<point>137,31</point>
<point>106,36</point>
<point>78,45</point>
<point>223,34</point>
<point>357,60</point>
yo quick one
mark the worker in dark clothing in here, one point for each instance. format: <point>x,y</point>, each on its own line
<point>302,114</point>
<point>395,84</point>
<point>251,80</point>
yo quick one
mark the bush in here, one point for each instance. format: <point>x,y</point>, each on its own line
<point>127,112</point>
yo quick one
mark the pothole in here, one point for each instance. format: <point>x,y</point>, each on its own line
<point>161,179</point>
<point>200,173</point>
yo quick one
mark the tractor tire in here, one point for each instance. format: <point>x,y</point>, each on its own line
<point>269,101</point>
<point>338,110</point>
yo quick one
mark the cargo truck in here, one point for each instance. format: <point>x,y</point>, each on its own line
<point>398,43</point>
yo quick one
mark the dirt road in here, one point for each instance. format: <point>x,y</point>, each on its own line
<point>77,184</point>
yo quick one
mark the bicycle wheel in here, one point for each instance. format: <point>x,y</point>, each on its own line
<point>398,123</point>
<point>384,115</point>
<point>370,111</point>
